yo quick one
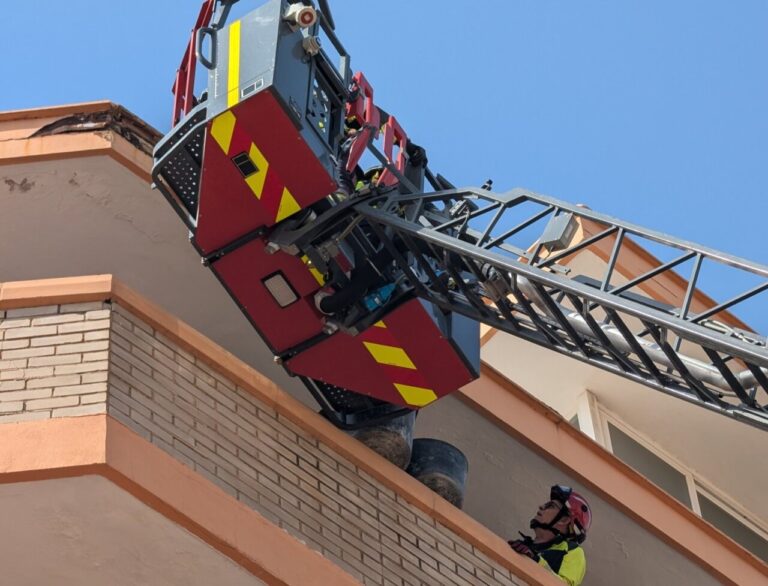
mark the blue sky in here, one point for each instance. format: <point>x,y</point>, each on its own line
<point>651,111</point>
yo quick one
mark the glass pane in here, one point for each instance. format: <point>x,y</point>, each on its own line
<point>649,465</point>
<point>733,528</point>
<point>574,421</point>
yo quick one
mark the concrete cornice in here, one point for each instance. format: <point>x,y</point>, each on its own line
<point>498,399</point>
<point>23,136</point>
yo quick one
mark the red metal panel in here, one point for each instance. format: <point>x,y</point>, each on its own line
<point>228,208</point>
<point>242,272</point>
<point>345,361</point>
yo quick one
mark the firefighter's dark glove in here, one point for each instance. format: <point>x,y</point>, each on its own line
<point>523,548</point>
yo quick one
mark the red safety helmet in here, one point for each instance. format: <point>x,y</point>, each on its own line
<point>577,508</point>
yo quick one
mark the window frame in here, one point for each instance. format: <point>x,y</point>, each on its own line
<point>601,416</point>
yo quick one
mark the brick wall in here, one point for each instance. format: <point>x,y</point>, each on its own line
<point>54,362</point>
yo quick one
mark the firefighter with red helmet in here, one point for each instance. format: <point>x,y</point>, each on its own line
<point>560,527</point>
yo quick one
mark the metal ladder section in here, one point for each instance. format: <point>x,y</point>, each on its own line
<point>457,249</point>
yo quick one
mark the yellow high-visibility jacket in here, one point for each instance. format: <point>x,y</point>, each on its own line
<point>565,559</point>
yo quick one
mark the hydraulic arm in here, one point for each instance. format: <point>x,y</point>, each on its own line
<point>370,284</point>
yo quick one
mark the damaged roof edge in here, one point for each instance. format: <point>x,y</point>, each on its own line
<point>85,129</point>
<point>108,116</point>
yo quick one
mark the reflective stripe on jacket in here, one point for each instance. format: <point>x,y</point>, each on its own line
<point>567,560</point>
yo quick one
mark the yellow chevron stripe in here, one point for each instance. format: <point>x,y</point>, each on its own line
<point>416,396</point>
<point>315,273</point>
<point>380,324</point>
<point>256,181</point>
<point>288,206</point>
<point>233,72</point>
<point>222,129</point>
<point>391,355</point>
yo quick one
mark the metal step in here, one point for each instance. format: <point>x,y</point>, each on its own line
<point>457,248</point>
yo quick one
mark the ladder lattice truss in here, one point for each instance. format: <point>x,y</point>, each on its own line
<point>457,250</point>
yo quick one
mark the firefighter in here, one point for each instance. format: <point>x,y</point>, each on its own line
<point>560,527</point>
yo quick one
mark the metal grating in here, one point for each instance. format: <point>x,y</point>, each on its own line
<point>178,163</point>
<point>350,410</point>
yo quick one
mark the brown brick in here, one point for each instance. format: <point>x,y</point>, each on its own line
<point>54,381</point>
<point>80,389</point>
<point>128,422</point>
<point>81,410</point>
<point>38,404</point>
<point>504,578</point>
<point>206,372</point>
<point>486,563</point>
<point>345,566</point>
<point>245,402</point>
<point>147,423</point>
<point>57,339</point>
<point>431,529</point>
<point>216,459</point>
<point>26,395</point>
<point>26,353</point>
<point>15,374</point>
<point>150,340</point>
<point>278,512</point>
<point>114,403</point>
<point>83,307</point>
<point>462,551</point>
<point>127,361</point>
<point>174,452</point>
<point>97,314</point>
<point>434,554</point>
<point>39,372</point>
<point>485,578</point>
<point>85,326</point>
<point>30,332</point>
<point>83,347</point>
<point>96,335</point>
<point>93,398</point>
<point>80,368</point>
<point>62,318</point>
<point>95,377</point>
<point>10,406</point>
<point>166,347</point>
<point>394,568</point>
<point>217,481</point>
<point>31,416</point>
<point>13,364</point>
<point>316,540</point>
<point>177,365</point>
<point>55,360</point>
<point>450,553</point>
<point>355,560</point>
<point>8,324</point>
<point>13,344</point>
<point>131,400</point>
<point>32,311</point>
<point>129,317</point>
<point>137,342</point>
<point>12,385</point>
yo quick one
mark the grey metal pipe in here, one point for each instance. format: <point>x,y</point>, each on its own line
<point>701,370</point>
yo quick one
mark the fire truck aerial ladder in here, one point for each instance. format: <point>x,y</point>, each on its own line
<point>371,286</point>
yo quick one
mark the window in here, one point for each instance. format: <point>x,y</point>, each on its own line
<point>649,465</point>
<point>732,527</point>
<point>681,483</point>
